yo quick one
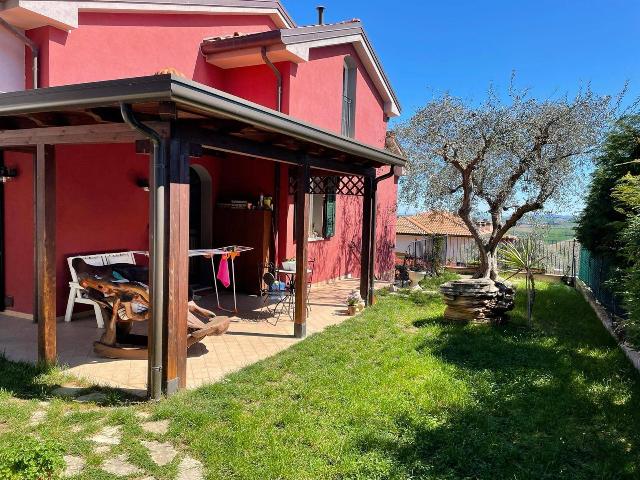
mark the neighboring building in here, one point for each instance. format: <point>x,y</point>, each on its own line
<point>325,75</point>
<point>415,234</point>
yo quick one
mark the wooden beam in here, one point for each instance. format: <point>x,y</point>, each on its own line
<point>45,234</point>
<point>175,335</point>
<point>78,134</point>
<point>225,142</point>
<point>302,238</point>
<point>365,249</point>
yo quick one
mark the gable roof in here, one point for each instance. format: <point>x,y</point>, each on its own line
<point>63,14</point>
<point>435,222</point>
<point>294,44</point>
<point>405,226</point>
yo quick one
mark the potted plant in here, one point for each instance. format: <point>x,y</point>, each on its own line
<point>353,300</point>
<point>417,272</point>
<point>289,264</point>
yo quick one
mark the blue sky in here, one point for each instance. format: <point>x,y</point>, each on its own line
<point>460,46</point>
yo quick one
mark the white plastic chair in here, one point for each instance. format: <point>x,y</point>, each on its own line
<point>77,294</point>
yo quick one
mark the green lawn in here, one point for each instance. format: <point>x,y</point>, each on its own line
<point>392,393</point>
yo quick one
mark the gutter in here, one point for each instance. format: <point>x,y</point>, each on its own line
<point>35,50</point>
<point>157,186</point>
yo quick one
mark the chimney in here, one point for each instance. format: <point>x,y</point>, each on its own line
<point>321,10</point>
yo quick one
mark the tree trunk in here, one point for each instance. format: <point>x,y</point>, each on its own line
<point>488,262</point>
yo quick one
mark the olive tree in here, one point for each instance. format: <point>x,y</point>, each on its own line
<point>503,157</point>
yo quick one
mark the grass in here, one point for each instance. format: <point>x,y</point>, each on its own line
<point>392,393</point>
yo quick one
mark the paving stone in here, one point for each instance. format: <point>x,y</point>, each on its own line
<point>67,391</point>
<point>143,415</point>
<point>190,469</point>
<point>120,466</point>
<point>73,465</point>
<point>160,427</point>
<point>37,417</point>
<point>76,428</point>
<point>102,449</point>
<point>43,404</point>
<point>161,453</point>
<point>108,436</point>
<point>96,397</point>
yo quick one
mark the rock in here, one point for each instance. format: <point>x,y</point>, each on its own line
<point>107,436</point>
<point>120,466</point>
<point>95,397</point>
<point>37,417</point>
<point>67,391</point>
<point>416,288</point>
<point>159,427</point>
<point>480,300</point>
<point>190,469</point>
<point>73,465</point>
<point>161,453</point>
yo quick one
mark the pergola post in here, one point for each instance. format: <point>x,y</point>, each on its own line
<point>365,254</point>
<point>302,237</point>
<point>45,251</point>
<point>177,234</point>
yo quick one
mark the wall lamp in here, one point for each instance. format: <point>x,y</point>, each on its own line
<point>7,174</point>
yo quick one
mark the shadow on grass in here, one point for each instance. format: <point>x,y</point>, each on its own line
<point>556,401</point>
<point>26,381</point>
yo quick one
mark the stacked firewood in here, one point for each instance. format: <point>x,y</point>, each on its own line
<point>479,300</point>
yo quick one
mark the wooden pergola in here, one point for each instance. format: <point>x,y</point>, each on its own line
<point>173,119</point>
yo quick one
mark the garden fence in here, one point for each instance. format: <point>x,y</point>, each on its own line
<point>558,257</point>
<point>595,271</point>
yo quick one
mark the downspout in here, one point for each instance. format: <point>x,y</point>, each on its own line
<point>276,189</point>
<point>278,76</point>
<point>157,184</point>
<point>372,250</point>
<point>35,50</point>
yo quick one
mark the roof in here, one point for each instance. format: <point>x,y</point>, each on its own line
<point>405,226</point>
<point>294,44</point>
<point>434,222</point>
<point>63,14</point>
<point>261,127</point>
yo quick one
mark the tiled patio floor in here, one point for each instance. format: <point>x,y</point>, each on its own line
<point>249,340</point>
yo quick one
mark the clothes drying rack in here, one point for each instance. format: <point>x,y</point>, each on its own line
<point>212,253</point>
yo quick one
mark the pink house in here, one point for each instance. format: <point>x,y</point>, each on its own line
<point>246,105</point>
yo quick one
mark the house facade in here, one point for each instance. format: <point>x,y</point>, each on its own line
<point>327,76</point>
<point>415,236</point>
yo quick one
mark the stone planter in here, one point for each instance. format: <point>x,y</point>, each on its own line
<point>415,277</point>
<point>352,309</point>
<point>478,300</point>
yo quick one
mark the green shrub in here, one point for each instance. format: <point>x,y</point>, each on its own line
<point>27,458</point>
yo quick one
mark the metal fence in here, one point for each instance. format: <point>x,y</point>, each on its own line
<point>558,258</point>
<point>595,271</point>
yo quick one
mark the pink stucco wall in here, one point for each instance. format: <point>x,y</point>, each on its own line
<point>109,46</point>
<point>11,62</point>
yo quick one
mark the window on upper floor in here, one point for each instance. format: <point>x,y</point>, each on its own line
<point>349,73</point>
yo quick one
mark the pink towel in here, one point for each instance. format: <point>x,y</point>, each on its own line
<point>223,271</point>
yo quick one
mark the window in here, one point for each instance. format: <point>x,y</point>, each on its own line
<point>349,73</point>
<point>322,216</point>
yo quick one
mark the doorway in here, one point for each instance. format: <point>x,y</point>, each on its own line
<point>200,226</point>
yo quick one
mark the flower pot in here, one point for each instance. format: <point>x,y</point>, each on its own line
<point>415,277</point>
<point>289,265</point>
<point>352,309</point>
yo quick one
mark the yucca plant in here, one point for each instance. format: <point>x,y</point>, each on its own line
<point>523,256</point>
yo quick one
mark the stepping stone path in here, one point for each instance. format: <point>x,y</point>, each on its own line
<point>143,415</point>
<point>159,427</point>
<point>102,449</point>
<point>108,436</point>
<point>96,397</point>
<point>120,466</point>
<point>161,453</point>
<point>190,469</point>
<point>37,417</point>
<point>73,465</point>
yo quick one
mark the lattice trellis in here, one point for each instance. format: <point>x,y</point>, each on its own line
<point>340,185</point>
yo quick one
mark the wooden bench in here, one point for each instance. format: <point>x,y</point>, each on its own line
<point>77,294</point>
